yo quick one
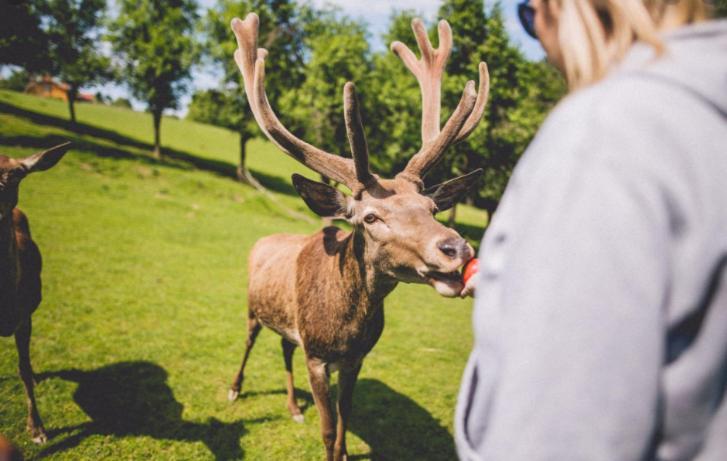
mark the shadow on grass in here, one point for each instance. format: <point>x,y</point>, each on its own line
<point>172,157</point>
<point>300,395</point>
<point>396,427</point>
<point>218,167</point>
<point>134,399</point>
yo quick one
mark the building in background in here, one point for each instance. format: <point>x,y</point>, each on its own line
<point>49,87</point>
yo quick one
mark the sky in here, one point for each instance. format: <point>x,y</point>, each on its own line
<point>375,13</point>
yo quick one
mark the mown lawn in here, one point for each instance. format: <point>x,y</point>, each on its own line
<point>142,324</point>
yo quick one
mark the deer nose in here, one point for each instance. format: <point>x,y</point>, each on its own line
<point>453,247</point>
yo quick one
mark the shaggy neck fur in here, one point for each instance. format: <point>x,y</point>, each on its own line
<point>367,284</point>
<point>340,296</point>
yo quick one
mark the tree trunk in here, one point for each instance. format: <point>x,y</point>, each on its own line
<point>490,206</point>
<point>452,216</point>
<point>71,96</point>
<point>243,174</point>
<point>157,115</point>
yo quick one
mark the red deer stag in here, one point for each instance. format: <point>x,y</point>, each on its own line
<point>20,265</point>
<point>324,292</point>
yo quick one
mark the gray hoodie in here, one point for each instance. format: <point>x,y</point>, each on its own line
<point>601,312</point>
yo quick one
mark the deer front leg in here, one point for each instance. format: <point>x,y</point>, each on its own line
<point>253,329</point>
<point>346,382</point>
<point>288,349</point>
<point>22,342</point>
<point>319,378</point>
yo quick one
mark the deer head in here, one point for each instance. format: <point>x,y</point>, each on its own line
<point>395,217</point>
<point>12,171</point>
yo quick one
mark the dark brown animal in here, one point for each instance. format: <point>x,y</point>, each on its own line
<point>20,264</point>
<point>325,292</point>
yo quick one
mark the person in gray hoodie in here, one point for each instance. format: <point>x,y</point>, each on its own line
<point>600,318</point>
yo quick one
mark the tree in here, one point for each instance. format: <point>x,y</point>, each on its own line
<point>281,34</point>
<point>121,102</point>
<point>395,109</point>
<point>154,40</point>
<point>399,92</point>
<point>22,41</point>
<point>17,81</point>
<point>214,107</point>
<point>469,33</point>
<point>72,28</point>
<point>339,52</point>
<point>521,94</point>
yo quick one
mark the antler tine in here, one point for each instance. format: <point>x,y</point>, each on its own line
<point>356,134</point>
<point>251,62</point>
<point>483,94</point>
<point>428,71</point>
<point>431,153</point>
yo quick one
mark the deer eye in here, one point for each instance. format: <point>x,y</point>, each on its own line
<point>370,218</point>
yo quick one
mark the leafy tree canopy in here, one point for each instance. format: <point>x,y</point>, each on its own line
<point>72,27</point>
<point>22,41</point>
<point>280,33</point>
<point>216,107</point>
<point>155,43</point>
<point>154,40</point>
<point>73,31</point>
<point>337,52</point>
<point>16,81</point>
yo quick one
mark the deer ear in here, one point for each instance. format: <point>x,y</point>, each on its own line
<point>447,194</point>
<point>46,159</point>
<point>325,201</point>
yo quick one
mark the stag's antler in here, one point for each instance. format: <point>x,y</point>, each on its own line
<point>356,134</point>
<point>251,61</point>
<point>428,71</point>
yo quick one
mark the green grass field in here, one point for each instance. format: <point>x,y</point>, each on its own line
<point>142,324</point>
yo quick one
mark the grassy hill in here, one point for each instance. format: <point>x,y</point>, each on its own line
<point>142,324</point>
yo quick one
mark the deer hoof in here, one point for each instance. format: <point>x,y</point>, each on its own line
<point>38,436</point>
<point>232,395</point>
<point>298,419</point>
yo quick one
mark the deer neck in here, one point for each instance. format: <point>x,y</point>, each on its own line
<point>8,263</point>
<point>363,281</point>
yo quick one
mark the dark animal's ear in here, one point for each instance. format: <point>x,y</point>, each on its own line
<point>46,159</point>
<point>326,201</point>
<point>447,194</point>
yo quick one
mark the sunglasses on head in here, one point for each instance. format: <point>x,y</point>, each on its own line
<point>526,13</point>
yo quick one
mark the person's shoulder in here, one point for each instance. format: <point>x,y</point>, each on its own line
<point>615,117</point>
<point>615,124</point>
<point>618,101</point>
<point>568,133</point>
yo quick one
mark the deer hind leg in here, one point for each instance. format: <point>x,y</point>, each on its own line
<point>346,382</point>
<point>253,328</point>
<point>22,342</point>
<point>319,380</point>
<point>288,349</point>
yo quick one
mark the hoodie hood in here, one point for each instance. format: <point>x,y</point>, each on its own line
<point>695,57</point>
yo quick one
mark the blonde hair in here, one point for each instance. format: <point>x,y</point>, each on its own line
<point>594,35</point>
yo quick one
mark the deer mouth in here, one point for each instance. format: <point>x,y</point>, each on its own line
<point>447,284</point>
